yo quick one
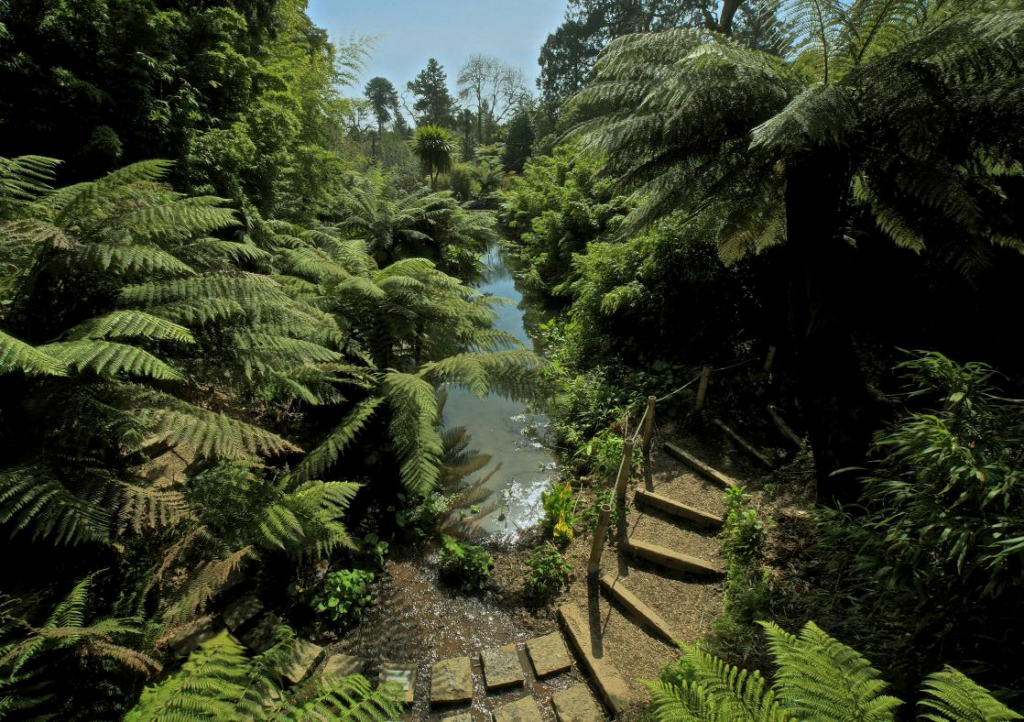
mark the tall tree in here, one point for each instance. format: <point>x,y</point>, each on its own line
<point>498,90</point>
<point>383,100</point>
<point>434,104</point>
<point>518,141</point>
<point>887,111</point>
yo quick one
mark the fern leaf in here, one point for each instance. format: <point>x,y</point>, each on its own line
<point>109,359</point>
<point>952,697</point>
<point>205,583</point>
<point>131,324</point>
<point>17,355</point>
<point>123,260</point>
<point>414,432</point>
<point>820,678</point>
<point>210,434</point>
<point>32,498</point>
<point>320,460</point>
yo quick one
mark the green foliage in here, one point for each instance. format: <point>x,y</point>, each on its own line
<point>465,566</point>
<point>593,511</point>
<point>433,104</point>
<point>816,678</point>
<point>434,146</point>
<point>342,595</point>
<point>559,511</point>
<point>218,681</point>
<point>548,571</point>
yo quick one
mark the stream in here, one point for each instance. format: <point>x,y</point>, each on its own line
<point>510,435</point>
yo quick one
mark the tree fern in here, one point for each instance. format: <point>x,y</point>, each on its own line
<point>131,324</point>
<point>323,457</point>
<point>414,417</point>
<point>33,499</point>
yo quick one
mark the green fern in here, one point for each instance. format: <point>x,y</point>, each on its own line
<point>131,324</point>
<point>109,359</point>
<point>414,418</point>
<point>17,355</point>
<point>324,456</point>
<point>952,697</point>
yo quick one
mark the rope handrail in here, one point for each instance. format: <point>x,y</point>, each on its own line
<point>670,394</point>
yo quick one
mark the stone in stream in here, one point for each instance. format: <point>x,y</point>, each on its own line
<point>464,717</point>
<point>451,681</point>
<point>241,611</point>
<point>548,654</point>
<point>525,710</point>
<point>404,675</point>
<point>342,665</point>
<point>304,656</point>
<point>576,705</point>
<point>502,667</point>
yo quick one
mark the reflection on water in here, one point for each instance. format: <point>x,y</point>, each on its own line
<point>509,432</point>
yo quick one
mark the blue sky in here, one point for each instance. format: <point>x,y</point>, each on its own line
<point>410,32</point>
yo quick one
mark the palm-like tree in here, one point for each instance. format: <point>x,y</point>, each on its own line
<point>900,111</point>
<point>433,145</point>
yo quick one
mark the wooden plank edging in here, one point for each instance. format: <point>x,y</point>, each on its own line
<point>613,688</point>
<point>674,560</point>
<point>675,508</point>
<point>637,608</point>
<point>699,466</point>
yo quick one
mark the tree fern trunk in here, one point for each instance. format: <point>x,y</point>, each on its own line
<point>832,391</point>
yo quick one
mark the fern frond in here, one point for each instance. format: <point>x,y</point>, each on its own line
<point>126,259</point>
<point>17,355</point>
<point>209,433</point>
<point>131,324</point>
<point>108,359</point>
<point>25,178</point>
<point>204,584</point>
<point>414,432</point>
<point>32,497</point>
<point>320,459</point>
<point>148,508</point>
<point>952,697</point>
<point>820,678</point>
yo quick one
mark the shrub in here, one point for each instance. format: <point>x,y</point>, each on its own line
<point>462,182</point>
<point>465,566</point>
<point>558,510</point>
<point>593,512</point>
<point>548,571</point>
<point>342,595</point>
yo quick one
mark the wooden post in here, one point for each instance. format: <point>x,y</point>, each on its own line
<point>625,467</point>
<point>594,566</point>
<point>769,359</point>
<point>702,390</point>
<point>648,433</point>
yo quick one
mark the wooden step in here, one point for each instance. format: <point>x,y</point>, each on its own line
<point>612,687</point>
<point>673,507</point>
<point>673,559</point>
<point>640,611</point>
<point>699,466</point>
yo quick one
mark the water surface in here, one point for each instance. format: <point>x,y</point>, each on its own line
<point>511,433</point>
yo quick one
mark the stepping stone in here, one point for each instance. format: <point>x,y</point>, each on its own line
<point>525,710</point>
<point>343,665</point>
<point>404,675</point>
<point>548,654</point>
<point>261,637</point>
<point>464,717</point>
<point>674,560</point>
<point>241,611</point>
<point>613,688</point>
<point>304,657</point>
<point>576,705</point>
<point>673,507</point>
<point>451,681</point>
<point>502,667</point>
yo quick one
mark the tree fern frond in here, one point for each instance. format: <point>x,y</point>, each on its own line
<point>209,433</point>
<point>131,324</point>
<point>346,698</point>
<point>17,355</point>
<point>108,359</point>
<point>414,429</point>
<point>150,508</point>
<point>204,584</point>
<point>320,459</point>
<point>952,697</point>
<point>24,179</point>
<point>821,678</point>
<point>122,259</point>
<point>32,497</point>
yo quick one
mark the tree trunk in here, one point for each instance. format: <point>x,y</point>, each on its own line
<point>832,390</point>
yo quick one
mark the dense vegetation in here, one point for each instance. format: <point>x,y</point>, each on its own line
<point>233,292</point>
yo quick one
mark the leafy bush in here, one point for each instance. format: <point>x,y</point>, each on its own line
<point>462,182</point>
<point>746,592</point>
<point>343,594</point>
<point>816,678</point>
<point>548,571</point>
<point>559,510</point>
<point>465,566</point>
<point>593,511</point>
